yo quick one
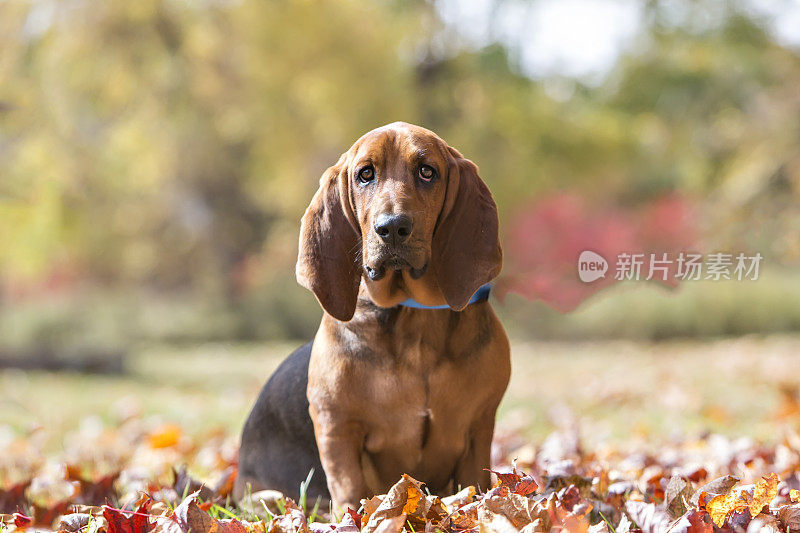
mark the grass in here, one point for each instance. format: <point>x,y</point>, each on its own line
<point>616,390</point>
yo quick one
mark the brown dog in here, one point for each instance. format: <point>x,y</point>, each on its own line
<point>386,388</point>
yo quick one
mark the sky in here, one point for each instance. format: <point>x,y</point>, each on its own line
<point>583,38</point>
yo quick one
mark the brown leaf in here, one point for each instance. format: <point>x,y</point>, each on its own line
<point>721,485</point>
<point>462,497</point>
<point>93,492</point>
<point>405,494</point>
<point>74,522</point>
<point>517,509</point>
<point>789,515</point>
<point>186,484</point>
<point>392,524</point>
<point>692,522</point>
<point>465,517</point>
<point>46,516</point>
<point>190,517</point>
<point>13,498</point>
<point>678,490</point>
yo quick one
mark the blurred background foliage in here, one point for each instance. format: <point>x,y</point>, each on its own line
<point>157,156</point>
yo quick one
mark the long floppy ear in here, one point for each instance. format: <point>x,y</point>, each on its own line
<point>327,260</point>
<point>466,247</point>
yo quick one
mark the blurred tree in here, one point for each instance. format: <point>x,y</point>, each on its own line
<point>164,144</point>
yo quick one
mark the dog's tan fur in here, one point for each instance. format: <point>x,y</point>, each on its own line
<point>391,389</point>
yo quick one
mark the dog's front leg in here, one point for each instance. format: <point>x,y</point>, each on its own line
<point>477,457</point>
<point>340,443</point>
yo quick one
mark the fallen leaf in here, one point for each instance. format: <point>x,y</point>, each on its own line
<point>789,515</point>
<point>721,506</point>
<point>165,436</point>
<point>74,522</point>
<point>692,522</point>
<point>190,517</point>
<point>677,491</point>
<point>721,485</point>
<point>500,500</point>
<point>136,522</point>
<point>648,517</point>
<point>393,504</point>
<point>764,492</point>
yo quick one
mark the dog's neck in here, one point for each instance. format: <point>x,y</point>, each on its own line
<point>419,338</point>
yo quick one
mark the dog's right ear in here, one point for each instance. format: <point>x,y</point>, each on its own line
<point>327,260</point>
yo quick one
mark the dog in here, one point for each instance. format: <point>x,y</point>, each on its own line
<point>410,362</point>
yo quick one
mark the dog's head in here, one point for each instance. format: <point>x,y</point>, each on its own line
<point>407,213</point>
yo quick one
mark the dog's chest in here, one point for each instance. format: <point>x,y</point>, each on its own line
<point>421,411</point>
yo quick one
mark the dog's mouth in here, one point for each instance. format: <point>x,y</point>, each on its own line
<point>395,263</point>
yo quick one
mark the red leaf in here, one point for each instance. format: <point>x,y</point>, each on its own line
<point>355,516</point>
<point>526,486</point>
<point>506,479</point>
<point>22,521</point>
<point>137,522</point>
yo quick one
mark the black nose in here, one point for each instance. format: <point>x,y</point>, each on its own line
<point>393,229</point>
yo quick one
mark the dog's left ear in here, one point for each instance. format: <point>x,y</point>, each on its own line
<point>327,260</point>
<point>466,249</point>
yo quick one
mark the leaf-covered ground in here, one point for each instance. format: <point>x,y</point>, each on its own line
<point>680,437</point>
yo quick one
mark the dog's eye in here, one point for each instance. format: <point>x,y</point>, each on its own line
<point>426,173</point>
<point>366,174</point>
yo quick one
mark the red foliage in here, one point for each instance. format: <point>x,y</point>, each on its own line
<point>543,242</point>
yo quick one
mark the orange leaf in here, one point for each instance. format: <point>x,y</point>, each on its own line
<point>413,499</point>
<point>165,436</point>
<point>763,493</point>
<point>720,506</point>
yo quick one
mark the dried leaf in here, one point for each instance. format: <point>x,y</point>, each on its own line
<point>692,522</point>
<point>789,515</point>
<point>190,517</point>
<point>136,522</point>
<point>721,485</point>
<point>648,517</point>
<point>526,485</point>
<point>678,489</point>
<point>497,524</point>
<point>721,506</point>
<point>462,497</point>
<point>465,517</point>
<point>74,522</point>
<point>394,503</point>
<point>763,493</point>
<point>391,525</point>
<point>517,509</point>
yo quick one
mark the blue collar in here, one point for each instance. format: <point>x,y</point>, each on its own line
<point>481,295</point>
